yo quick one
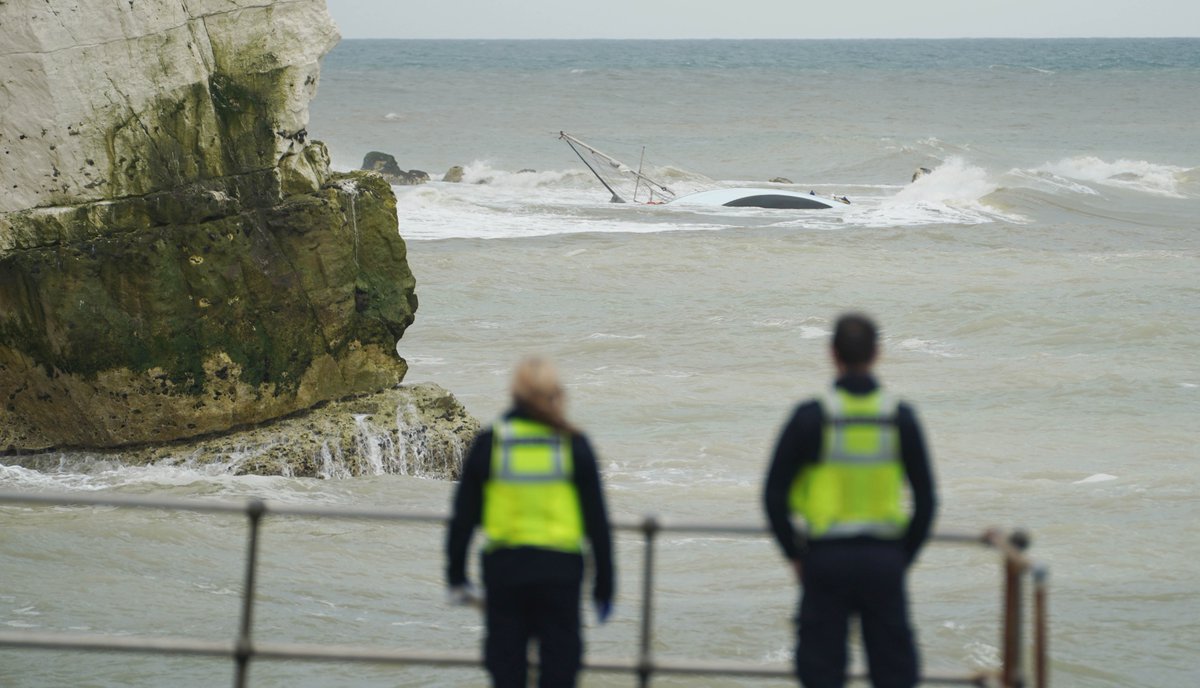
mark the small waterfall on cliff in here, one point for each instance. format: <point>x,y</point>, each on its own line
<point>333,462</point>
<point>412,438</point>
<point>376,449</point>
<point>406,446</point>
<point>423,448</point>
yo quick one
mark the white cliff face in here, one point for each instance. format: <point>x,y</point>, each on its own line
<point>103,100</point>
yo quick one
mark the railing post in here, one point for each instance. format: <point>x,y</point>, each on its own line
<point>650,529</point>
<point>1040,637</point>
<point>243,650</point>
<point>1013,570</point>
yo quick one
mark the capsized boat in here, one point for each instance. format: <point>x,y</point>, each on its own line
<point>761,198</point>
<point>626,184</point>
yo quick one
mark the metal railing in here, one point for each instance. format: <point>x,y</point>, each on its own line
<point>244,648</point>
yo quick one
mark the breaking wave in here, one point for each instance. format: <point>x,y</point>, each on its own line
<point>491,202</point>
<point>1078,173</point>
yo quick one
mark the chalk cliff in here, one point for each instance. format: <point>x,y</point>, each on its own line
<point>176,257</point>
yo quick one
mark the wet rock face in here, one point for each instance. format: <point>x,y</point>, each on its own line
<point>419,430</point>
<point>185,329</point>
<point>176,258</point>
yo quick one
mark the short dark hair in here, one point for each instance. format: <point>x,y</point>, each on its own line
<point>854,340</point>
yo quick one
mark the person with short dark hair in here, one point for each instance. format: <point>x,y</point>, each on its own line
<point>532,483</point>
<point>841,464</point>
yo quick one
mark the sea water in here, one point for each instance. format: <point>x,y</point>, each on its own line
<point>1038,292</point>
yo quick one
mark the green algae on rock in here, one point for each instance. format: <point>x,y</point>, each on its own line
<point>170,331</point>
<point>176,257</point>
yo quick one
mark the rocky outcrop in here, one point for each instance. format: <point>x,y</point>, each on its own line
<point>454,174</point>
<point>193,327</point>
<point>419,430</point>
<point>176,258</point>
<point>386,166</point>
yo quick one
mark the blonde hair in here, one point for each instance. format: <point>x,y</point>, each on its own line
<point>536,390</point>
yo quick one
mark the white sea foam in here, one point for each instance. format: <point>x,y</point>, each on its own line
<point>1135,175</point>
<point>926,346</point>
<point>482,172</point>
<point>780,655</point>
<point>952,193</point>
<point>1097,478</point>
<point>82,473</point>
<point>982,654</point>
<point>606,335</point>
<point>512,205</point>
<point>86,473</point>
<point>1048,181</point>
<point>495,203</point>
<point>953,182</point>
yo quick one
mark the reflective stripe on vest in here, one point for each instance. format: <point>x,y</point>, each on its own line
<point>530,499</point>
<point>856,486</point>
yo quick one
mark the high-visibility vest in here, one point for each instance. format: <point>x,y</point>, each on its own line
<point>856,487</point>
<point>530,499</point>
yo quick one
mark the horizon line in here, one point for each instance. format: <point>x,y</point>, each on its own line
<point>764,38</point>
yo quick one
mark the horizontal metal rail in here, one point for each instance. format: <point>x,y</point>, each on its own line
<point>314,511</point>
<point>242,650</point>
<point>354,653</point>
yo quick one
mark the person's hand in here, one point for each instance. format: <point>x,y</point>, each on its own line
<point>603,610</point>
<point>463,595</point>
<point>798,567</point>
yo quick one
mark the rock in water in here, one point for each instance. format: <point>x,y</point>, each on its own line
<point>176,258</point>
<point>385,165</point>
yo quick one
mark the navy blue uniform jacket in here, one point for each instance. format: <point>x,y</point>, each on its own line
<point>800,445</point>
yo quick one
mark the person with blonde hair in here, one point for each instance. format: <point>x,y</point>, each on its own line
<point>532,482</point>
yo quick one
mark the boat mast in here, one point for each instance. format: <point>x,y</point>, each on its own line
<point>617,165</point>
<point>639,177</point>
<point>571,141</point>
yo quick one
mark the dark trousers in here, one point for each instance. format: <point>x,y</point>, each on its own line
<point>864,578</point>
<point>516,614</point>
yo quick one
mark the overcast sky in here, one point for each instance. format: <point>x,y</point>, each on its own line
<point>763,18</point>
